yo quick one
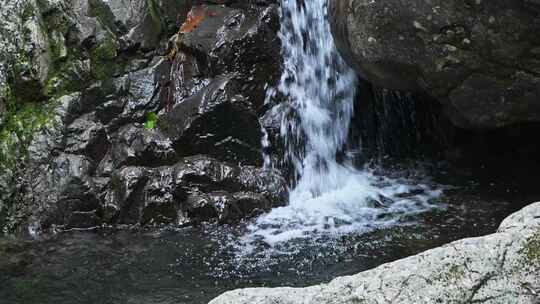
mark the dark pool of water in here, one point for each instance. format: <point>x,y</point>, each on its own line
<point>194,265</point>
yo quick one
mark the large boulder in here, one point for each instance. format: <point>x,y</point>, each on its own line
<point>480,59</point>
<point>503,267</point>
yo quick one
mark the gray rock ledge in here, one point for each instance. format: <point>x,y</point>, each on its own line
<point>503,267</point>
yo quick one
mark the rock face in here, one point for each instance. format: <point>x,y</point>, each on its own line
<point>480,59</point>
<point>218,81</point>
<point>134,127</point>
<point>499,268</point>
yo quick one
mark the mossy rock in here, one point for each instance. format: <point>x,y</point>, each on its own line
<point>532,249</point>
<point>100,10</point>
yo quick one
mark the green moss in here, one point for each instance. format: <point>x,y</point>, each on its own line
<point>70,73</point>
<point>54,19</point>
<point>104,61</point>
<point>153,8</point>
<point>116,183</point>
<point>532,249</point>
<point>358,300</point>
<point>155,14</point>
<point>21,122</point>
<point>108,50</point>
<point>28,11</point>
<point>455,273</point>
<point>102,12</point>
<point>22,75</point>
<point>151,121</point>
<point>66,75</point>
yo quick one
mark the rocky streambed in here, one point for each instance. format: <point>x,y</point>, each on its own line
<point>195,265</point>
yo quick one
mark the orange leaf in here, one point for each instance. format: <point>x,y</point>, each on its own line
<point>194,19</point>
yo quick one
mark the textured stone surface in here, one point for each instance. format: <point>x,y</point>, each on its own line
<point>480,59</point>
<point>503,267</point>
<point>218,81</point>
<point>218,121</point>
<point>196,189</point>
<point>126,107</point>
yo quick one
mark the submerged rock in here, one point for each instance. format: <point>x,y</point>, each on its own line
<point>480,59</point>
<point>503,267</point>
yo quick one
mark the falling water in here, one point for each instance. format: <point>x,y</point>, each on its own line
<point>329,197</point>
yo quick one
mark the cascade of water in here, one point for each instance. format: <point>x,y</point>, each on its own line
<point>329,196</point>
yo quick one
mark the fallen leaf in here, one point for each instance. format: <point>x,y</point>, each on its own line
<point>194,19</point>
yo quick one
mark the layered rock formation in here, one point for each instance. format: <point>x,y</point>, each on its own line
<point>503,267</point>
<point>480,59</point>
<point>106,119</point>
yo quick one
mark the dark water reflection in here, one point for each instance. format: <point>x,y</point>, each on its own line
<point>196,264</point>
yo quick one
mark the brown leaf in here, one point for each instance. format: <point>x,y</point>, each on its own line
<point>194,19</point>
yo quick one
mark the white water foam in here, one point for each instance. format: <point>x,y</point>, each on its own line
<point>329,197</point>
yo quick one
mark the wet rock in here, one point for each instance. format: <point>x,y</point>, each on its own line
<point>85,17</point>
<point>24,58</point>
<point>138,23</point>
<point>135,145</point>
<point>123,200</point>
<point>196,189</point>
<point>224,207</point>
<point>218,81</point>
<point>144,196</point>
<point>499,268</point>
<point>48,141</point>
<point>216,175</point>
<point>86,101</point>
<point>61,189</point>
<point>99,159</point>
<point>133,97</point>
<point>87,137</point>
<point>184,78</point>
<point>229,41</point>
<point>144,23</point>
<point>476,58</point>
<point>162,200</point>
<point>219,191</point>
<point>218,121</point>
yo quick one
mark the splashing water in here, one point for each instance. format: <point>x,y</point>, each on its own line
<point>329,197</point>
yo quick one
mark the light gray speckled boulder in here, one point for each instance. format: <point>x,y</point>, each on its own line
<point>503,267</point>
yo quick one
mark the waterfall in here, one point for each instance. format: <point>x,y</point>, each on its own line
<point>329,196</point>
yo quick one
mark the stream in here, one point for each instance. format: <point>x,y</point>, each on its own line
<point>339,219</point>
<point>193,265</point>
